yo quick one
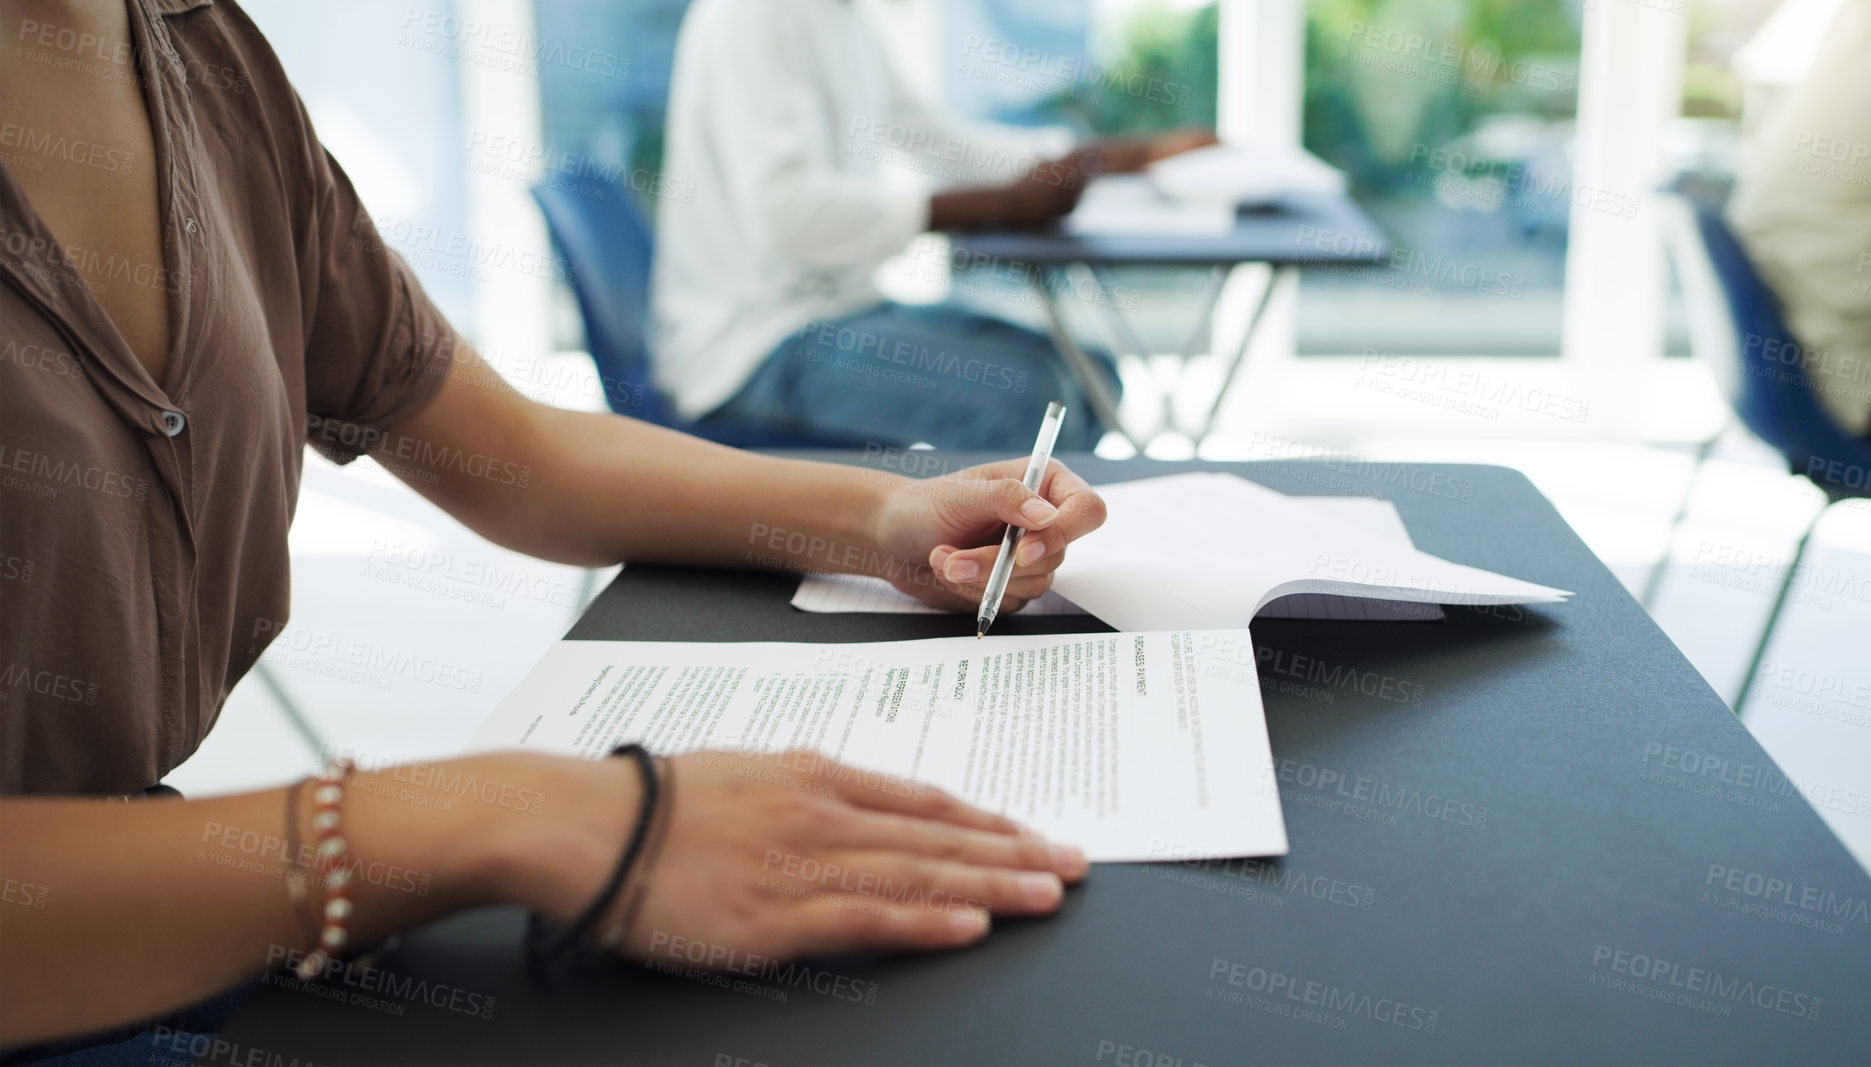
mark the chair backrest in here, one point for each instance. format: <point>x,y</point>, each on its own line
<point>606,242</point>
<point>1768,385</point>
<point>1712,340</point>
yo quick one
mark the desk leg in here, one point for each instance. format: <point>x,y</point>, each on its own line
<point>1274,277</point>
<point>1079,363</point>
<point>1218,277</point>
<point>1127,340</point>
<point>1124,340</point>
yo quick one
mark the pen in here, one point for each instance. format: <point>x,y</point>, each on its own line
<point>1003,563</point>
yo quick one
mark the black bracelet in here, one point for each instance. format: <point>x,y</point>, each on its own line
<point>541,950</point>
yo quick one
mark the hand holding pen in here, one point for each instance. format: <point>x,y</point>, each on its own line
<point>941,536</point>
<point>1003,563</point>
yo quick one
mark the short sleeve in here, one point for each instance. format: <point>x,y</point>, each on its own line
<point>376,348</point>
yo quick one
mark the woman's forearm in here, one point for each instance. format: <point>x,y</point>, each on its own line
<point>118,912</point>
<point>625,490</point>
<point>593,489</point>
<point>596,489</point>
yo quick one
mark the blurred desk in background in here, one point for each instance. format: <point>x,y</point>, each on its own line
<point>1309,230</point>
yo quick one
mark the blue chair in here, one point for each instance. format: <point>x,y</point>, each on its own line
<point>1737,326</point>
<point>605,238</point>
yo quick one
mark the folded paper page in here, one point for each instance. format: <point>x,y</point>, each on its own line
<point>1208,550</point>
<point>1133,746</point>
<point>843,593</point>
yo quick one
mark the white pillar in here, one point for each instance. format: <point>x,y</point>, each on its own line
<point>1262,46</point>
<point>1630,89</point>
<point>1262,80</point>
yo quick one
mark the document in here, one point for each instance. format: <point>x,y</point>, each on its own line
<point>1134,746</point>
<point>1209,550</point>
<point>847,593</point>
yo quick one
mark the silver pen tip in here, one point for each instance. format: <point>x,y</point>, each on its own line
<point>977,635</point>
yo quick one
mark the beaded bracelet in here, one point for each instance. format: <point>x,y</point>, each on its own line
<point>328,854</point>
<point>539,950</point>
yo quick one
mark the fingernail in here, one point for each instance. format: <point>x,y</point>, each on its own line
<point>970,923</point>
<point>1038,511</point>
<point>1031,549</point>
<point>1069,860</point>
<point>961,570</point>
<point>1040,887</point>
<point>939,557</point>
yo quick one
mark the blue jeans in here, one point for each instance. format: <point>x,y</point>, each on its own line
<point>897,374</point>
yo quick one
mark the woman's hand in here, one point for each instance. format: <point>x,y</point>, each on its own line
<point>949,530</point>
<point>787,855</point>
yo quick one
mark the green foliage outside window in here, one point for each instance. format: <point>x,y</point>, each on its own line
<point>1163,48</point>
<point>1433,70</point>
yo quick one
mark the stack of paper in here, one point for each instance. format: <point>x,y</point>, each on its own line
<point>1209,550</point>
<point>846,593</point>
<point>1243,174</point>
<point>1198,193</point>
<point>1130,204</point>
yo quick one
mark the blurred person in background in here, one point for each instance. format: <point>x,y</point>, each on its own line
<point>1802,208</point>
<point>812,162</point>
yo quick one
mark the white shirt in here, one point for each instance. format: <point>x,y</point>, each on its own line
<point>1802,206</point>
<point>805,162</point>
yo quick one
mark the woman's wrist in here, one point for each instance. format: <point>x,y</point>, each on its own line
<point>424,839</point>
<point>833,519</point>
<point>872,490</point>
<point>555,859</point>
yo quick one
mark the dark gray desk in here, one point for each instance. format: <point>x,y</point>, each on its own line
<point>1504,847</point>
<point>1299,230</point>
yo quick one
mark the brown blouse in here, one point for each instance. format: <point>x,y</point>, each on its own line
<point>143,563</point>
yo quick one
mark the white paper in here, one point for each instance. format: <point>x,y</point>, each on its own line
<point>1209,550</point>
<point>846,593</point>
<point>840,594</point>
<point>1130,204</point>
<point>1242,174</point>
<point>1132,746</point>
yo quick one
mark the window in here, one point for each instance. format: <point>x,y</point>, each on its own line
<point>1455,125</point>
